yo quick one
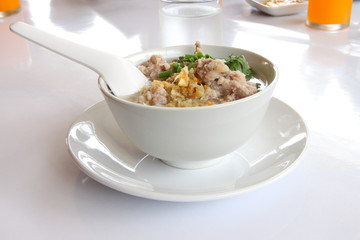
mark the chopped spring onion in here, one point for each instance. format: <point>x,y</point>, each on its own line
<point>190,65</point>
<point>177,67</point>
<point>165,74</point>
<point>191,57</point>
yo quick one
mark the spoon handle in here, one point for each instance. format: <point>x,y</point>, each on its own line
<point>122,77</point>
<point>84,55</point>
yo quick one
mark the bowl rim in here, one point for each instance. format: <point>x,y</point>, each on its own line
<point>101,83</point>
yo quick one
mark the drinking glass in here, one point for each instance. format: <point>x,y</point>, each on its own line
<point>329,14</point>
<point>188,21</point>
<point>9,7</point>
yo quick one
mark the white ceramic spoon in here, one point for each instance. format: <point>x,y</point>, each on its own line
<point>122,76</point>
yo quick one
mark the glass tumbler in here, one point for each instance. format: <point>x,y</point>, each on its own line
<point>188,21</point>
<point>9,7</point>
<point>329,14</point>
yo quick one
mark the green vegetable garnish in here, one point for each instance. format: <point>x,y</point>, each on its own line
<point>191,57</point>
<point>165,74</point>
<point>190,65</point>
<point>238,63</point>
<point>177,67</point>
<point>188,59</point>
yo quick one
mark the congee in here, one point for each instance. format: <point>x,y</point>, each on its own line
<point>196,80</point>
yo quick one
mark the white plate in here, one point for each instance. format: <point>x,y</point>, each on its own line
<point>281,10</point>
<point>103,152</point>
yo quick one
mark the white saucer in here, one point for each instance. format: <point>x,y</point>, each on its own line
<point>281,10</point>
<point>103,152</point>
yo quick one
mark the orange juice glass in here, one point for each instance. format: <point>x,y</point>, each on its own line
<point>329,14</point>
<point>9,7</point>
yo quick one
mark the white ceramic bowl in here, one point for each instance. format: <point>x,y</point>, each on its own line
<point>194,137</point>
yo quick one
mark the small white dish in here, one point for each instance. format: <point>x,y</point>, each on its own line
<point>281,10</point>
<point>103,152</point>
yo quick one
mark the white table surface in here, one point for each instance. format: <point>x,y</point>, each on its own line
<point>44,195</point>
